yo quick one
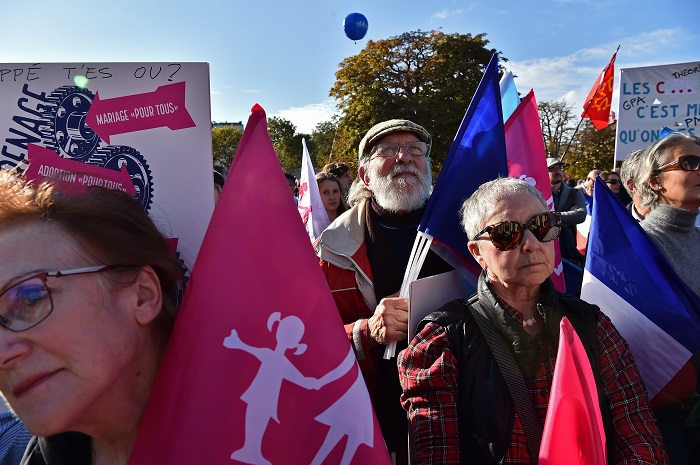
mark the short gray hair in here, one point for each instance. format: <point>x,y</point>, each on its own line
<point>630,169</point>
<point>652,158</point>
<point>481,203</point>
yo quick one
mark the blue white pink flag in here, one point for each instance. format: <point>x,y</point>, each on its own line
<point>635,285</point>
<point>527,160</point>
<point>310,205</point>
<point>477,155</point>
<point>510,99</point>
<point>573,430</point>
<point>258,369</point>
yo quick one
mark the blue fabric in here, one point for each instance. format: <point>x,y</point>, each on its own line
<point>13,439</point>
<point>622,256</point>
<point>477,155</point>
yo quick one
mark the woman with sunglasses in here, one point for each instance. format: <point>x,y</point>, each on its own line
<point>88,292</point>
<point>460,405</point>
<point>670,185</point>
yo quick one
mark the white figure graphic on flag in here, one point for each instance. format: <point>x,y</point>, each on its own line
<point>263,393</point>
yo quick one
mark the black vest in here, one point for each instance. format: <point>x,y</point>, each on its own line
<point>485,407</point>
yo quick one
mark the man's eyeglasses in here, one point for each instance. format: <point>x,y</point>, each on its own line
<point>684,163</point>
<point>390,150</point>
<point>28,302</point>
<point>613,181</point>
<point>507,235</point>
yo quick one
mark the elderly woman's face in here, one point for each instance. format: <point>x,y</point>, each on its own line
<point>677,187</point>
<point>527,265</point>
<point>73,367</point>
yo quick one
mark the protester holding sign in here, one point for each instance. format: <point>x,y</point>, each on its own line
<point>88,292</point>
<point>471,359</point>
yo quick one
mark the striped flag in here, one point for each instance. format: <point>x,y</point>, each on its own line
<point>635,285</point>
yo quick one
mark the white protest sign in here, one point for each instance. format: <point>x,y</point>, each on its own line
<point>653,97</point>
<point>144,128</point>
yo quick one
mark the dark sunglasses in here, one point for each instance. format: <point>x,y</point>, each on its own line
<point>507,235</point>
<point>613,181</point>
<point>28,302</point>
<point>684,163</point>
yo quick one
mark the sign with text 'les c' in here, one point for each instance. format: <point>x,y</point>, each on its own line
<point>655,96</point>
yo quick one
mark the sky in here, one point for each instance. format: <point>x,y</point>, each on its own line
<point>284,55</point>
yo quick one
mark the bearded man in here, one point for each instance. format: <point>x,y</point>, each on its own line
<point>364,254</point>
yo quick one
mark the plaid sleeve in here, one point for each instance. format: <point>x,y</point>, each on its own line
<point>637,439</point>
<point>428,376</point>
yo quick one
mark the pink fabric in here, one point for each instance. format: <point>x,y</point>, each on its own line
<point>258,362</point>
<point>527,160</point>
<point>573,430</point>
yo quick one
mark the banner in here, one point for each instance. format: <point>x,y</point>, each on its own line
<point>653,97</point>
<point>143,128</point>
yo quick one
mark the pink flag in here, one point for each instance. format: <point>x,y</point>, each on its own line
<point>573,430</point>
<point>258,369</point>
<point>310,205</point>
<point>527,160</point>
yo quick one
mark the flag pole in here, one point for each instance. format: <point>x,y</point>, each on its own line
<point>588,105</point>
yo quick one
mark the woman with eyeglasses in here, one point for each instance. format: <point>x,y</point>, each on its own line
<point>669,182</point>
<point>459,402</point>
<point>88,293</point>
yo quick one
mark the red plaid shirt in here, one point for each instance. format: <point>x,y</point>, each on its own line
<point>428,374</point>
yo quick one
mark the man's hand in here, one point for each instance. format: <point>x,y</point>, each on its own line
<point>390,320</point>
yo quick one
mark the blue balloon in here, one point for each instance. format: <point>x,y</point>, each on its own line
<point>355,26</point>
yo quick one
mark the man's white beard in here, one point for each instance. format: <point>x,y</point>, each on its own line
<point>403,194</point>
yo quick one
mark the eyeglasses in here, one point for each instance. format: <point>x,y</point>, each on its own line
<point>613,181</point>
<point>509,234</point>
<point>28,302</point>
<point>684,163</point>
<point>390,150</point>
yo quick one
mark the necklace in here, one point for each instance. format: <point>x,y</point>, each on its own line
<point>529,322</point>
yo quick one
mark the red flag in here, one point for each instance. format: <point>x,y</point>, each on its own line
<point>527,160</point>
<point>599,100</point>
<point>258,369</point>
<point>573,430</point>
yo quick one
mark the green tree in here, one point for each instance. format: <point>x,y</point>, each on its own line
<point>591,148</point>
<point>286,142</point>
<point>427,77</point>
<point>224,143</point>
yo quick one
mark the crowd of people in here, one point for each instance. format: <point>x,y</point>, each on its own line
<point>72,261</point>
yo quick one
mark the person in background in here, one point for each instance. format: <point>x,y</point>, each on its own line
<point>331,190</point>
<point>293,186</point>
<point>669,183</point>
<point>629,171</point>
<point>364,254</point>
<point>572,206</point>
<point>88,298</point>
<point>459,405</point>
<point>612,179</point>
<point>589,183</point>
<point>342,171</point>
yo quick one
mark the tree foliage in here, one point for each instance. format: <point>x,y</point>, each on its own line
<point>224,141</point>
<point>286,142</point>
<point>427,77</point>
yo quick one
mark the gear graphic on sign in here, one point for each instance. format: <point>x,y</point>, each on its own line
<point>116,156</point>
<point>68,134</point>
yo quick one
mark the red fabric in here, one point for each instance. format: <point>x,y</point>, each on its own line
<point>258,341</point>
<point>527,161</point>
<point>597,105</point>
<point>428,375</point>
<point>573,430</point>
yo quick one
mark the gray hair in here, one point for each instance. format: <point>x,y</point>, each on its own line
<point>482,202</point>
<point>652,158</point>
<point>358,191</point>
<point>630,169</point>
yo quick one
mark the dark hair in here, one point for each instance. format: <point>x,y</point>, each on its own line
<point>336,168</point>
<point>606,175</point>
<point>326,176</point>
<point>109,226</point>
